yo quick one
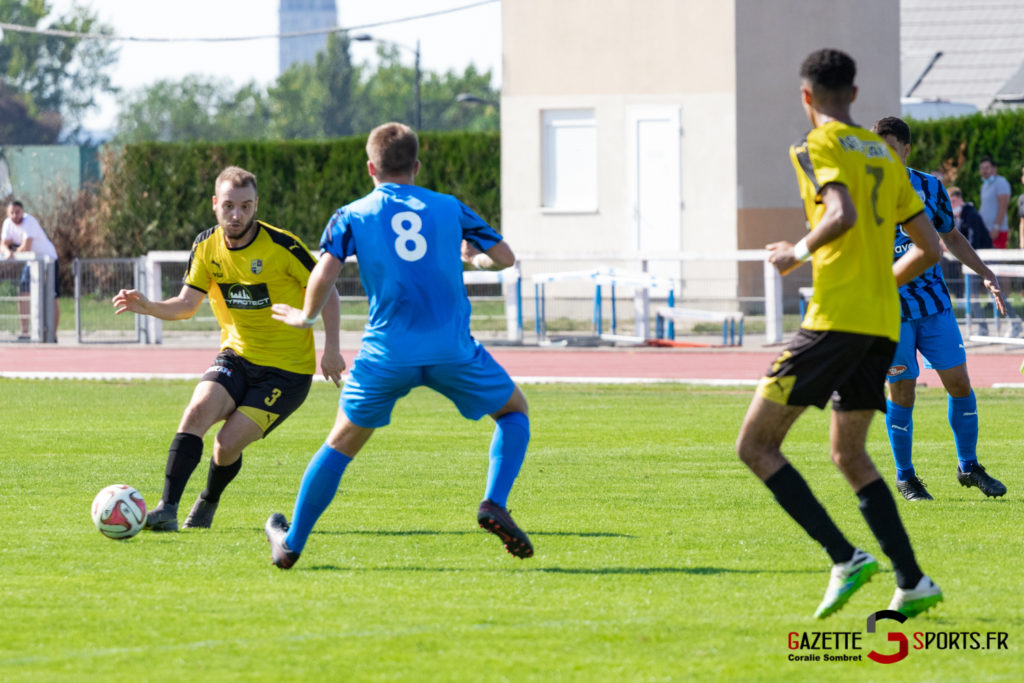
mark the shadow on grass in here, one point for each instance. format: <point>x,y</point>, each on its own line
<point>595,571</point>
<point>467,532</point>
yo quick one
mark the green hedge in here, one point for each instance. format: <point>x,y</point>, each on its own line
<point>158,196</point>
<point>956,146</point>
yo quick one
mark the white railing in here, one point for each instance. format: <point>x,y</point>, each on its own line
<point>1004,263</point>
<point>39,300</point>
<point>509,279</point>
<point>645,274</point>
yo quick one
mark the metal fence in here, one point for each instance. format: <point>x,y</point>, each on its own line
<point>96,282</point>
<point>543,299</point>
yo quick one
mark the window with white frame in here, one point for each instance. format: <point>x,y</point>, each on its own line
<point>569,160</point>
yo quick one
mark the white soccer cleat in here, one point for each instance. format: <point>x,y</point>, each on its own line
<point>847,577</point>
<point>913,601</point>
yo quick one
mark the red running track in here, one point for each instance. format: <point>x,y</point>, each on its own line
<point>986,368</point>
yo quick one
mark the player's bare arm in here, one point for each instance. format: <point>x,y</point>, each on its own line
<point>180,307</point>
<point>922,255</point>
<point>318,290</point>
<point>498,257</point>
<point>332,364</point>
<point>840,215</point>
<point>963,251</point>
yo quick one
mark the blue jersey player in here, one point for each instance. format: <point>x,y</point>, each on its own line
<point>411,244</point>
<point>928,325</point>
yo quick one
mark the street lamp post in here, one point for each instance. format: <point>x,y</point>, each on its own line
<point>417,109</point>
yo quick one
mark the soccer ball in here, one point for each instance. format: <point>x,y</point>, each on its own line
<point>119,511</point>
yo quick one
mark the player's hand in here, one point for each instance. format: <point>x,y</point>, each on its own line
<point>332,364</point>
<point>289,315</point>
<point>992,285</point>
<point>129,300</point>
<point>469,251</point>
<point>780,254</point>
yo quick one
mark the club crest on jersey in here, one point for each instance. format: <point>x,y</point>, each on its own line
<point>256,266</point>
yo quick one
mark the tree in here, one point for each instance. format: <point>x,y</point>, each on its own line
<point>19,127</point>
<point>317,100</point>
<point>329,98</point>
<point>195,108</point>
<point>55,74</point>
<point>388,95</point>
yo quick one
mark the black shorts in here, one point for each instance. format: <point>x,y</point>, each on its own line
<point>817,365</point>
<point>264,394</point>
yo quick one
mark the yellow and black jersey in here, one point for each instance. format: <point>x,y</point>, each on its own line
<point>243,282</point>
<point>854,288</point>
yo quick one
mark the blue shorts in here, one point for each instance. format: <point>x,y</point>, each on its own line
<point>938,338</point>
<point>477,387</point>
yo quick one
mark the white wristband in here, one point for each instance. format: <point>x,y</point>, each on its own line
<point>312,321</point>
<point>476,261</point>
<point>800,251</point>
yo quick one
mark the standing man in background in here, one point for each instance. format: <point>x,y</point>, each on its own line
<point>21,233</point>
<point>1020,213</point>
<point>995,198</point>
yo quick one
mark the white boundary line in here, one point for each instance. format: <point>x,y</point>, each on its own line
<point>100,376</point>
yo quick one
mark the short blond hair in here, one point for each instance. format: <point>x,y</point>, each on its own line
<point>393,149</point>
<point>237,176</point>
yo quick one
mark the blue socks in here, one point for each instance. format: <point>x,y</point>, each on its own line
<point>899,423</point>
<point>963,418</point>
<point>319,484</point>
<point>508,449</point>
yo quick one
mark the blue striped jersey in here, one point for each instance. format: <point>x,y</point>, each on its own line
<point>926,294</point>
<point>409,244</point>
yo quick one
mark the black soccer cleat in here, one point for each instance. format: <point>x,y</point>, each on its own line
<point>162,518</point>
<point>276,529</point>
<point>496,519</point>
<point>979,477</point>
<point>201,515</point>
<point>913,489</point>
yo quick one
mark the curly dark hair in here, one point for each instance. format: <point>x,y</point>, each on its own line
<point>829,71</point>
<point>894,126</point>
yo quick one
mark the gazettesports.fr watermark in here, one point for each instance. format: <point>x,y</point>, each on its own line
<point>856,646</point>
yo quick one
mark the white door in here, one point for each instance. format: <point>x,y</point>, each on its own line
<point>654,163</point>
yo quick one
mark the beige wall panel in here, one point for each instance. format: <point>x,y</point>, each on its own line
<point>564,47</point>
<point>772,39</point>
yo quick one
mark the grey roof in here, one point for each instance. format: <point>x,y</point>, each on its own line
<point>1013,89</point>
<point>982,46</point>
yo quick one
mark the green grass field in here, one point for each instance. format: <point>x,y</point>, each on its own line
<point>658,556</point>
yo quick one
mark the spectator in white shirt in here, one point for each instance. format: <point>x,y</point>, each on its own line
<point>21,233</point>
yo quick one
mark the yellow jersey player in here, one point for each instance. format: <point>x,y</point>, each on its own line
<point>855,191</point>
<point>264,369</point>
